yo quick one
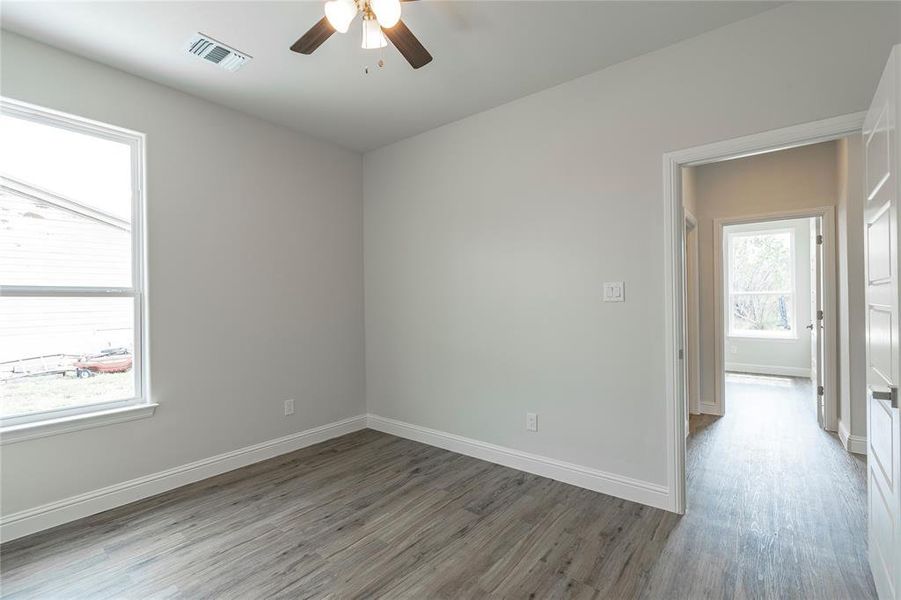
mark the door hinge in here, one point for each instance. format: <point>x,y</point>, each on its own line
<point>681,354</point>
<point>819,315</point>
<point>819,239</point>
<point>820,390</point>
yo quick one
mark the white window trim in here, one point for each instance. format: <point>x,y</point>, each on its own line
<point>40,424</point>
<point>791,334</point>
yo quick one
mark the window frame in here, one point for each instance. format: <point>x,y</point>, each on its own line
<point>48,422</point>
<point>791,334</point>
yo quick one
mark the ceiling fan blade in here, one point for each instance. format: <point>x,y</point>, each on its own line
<point>314,38</point>
<point>407,44</point>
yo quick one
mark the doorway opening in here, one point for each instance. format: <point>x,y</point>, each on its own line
<point>682,396</point>
<point>772,295</point>
<point>761,420</point>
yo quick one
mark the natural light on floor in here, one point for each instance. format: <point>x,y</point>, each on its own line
<point>761,379</point>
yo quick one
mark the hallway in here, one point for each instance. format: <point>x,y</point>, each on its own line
<point>776,506</point>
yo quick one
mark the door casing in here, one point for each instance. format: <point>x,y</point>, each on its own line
<point>673,233</point>
<point>692,317</point>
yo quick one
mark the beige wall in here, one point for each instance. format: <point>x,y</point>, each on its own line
<point>852,363</point>
<point>787,180</point>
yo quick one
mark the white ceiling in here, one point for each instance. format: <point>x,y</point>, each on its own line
<point>486,53</point>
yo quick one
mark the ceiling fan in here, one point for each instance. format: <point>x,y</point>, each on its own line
<point>381,19</point>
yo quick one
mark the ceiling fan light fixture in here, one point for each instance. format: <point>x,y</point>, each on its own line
<point>340,13</point>
<point>376,34</point>
<point>373,38</point>
<point>386,11</point>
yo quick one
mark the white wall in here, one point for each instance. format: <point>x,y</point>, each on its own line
<point>486,244</point>
<point>255,280</point>
<point>777,356</point>
<point>487,240</point>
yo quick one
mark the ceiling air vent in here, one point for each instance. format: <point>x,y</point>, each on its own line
<point>217,53</point>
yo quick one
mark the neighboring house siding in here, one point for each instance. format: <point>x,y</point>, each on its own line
<point>44,244</point>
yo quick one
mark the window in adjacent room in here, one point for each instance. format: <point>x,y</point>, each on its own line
<point>761,281</point>
<point>71,268</point>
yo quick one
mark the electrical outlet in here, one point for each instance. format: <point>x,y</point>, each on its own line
<point>531,422</point>
<point>289,407</point>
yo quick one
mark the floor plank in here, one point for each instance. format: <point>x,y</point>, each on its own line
<point>776,510</point>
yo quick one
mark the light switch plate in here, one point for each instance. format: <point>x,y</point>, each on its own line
<point>614,291</point>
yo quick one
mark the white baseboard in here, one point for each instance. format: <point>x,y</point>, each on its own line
<point>607,483</point>
<point>709,408</point>
<point>83,505</point>
<point>49,515</point>
<point>852,443</point>
<point>767,370</point>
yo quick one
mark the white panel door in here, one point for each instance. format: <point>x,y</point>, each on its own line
<point>817,334</point>
<point>883,358</point>
<point>686,319</point>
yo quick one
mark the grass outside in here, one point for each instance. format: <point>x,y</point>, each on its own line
<point>48,392</point>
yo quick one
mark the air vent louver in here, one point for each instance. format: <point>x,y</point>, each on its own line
<point>217,53</point>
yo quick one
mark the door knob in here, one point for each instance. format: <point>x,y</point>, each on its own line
<point>810,327</point>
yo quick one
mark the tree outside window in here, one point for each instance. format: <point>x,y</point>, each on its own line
<point>761,284</point>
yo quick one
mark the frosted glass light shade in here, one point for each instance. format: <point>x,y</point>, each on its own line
<point>386,11</point>
<point>340,13</point>
<point>372,35</point>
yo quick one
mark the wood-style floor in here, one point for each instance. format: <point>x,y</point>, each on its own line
<point>776,510</point>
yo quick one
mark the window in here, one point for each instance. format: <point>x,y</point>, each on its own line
<point>71,271</point>
<point>761,284</point>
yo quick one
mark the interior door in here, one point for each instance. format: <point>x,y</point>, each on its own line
<point>692,349</point>
<point>818,337</point>
<point>686,392</point>
<point>883,358</point>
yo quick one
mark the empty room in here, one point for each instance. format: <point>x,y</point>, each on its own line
<point>450,299</point>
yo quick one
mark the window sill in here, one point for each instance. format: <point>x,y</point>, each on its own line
<point>765,338</point>
<point>39,429</point>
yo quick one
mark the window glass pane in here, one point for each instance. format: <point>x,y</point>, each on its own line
<point>761,262</point>
<point>65,352</point>
<point>755,313</point>
<point>86,169</point>
<point>42,243</point>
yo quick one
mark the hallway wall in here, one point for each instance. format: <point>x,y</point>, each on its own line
<point>851,284</point>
